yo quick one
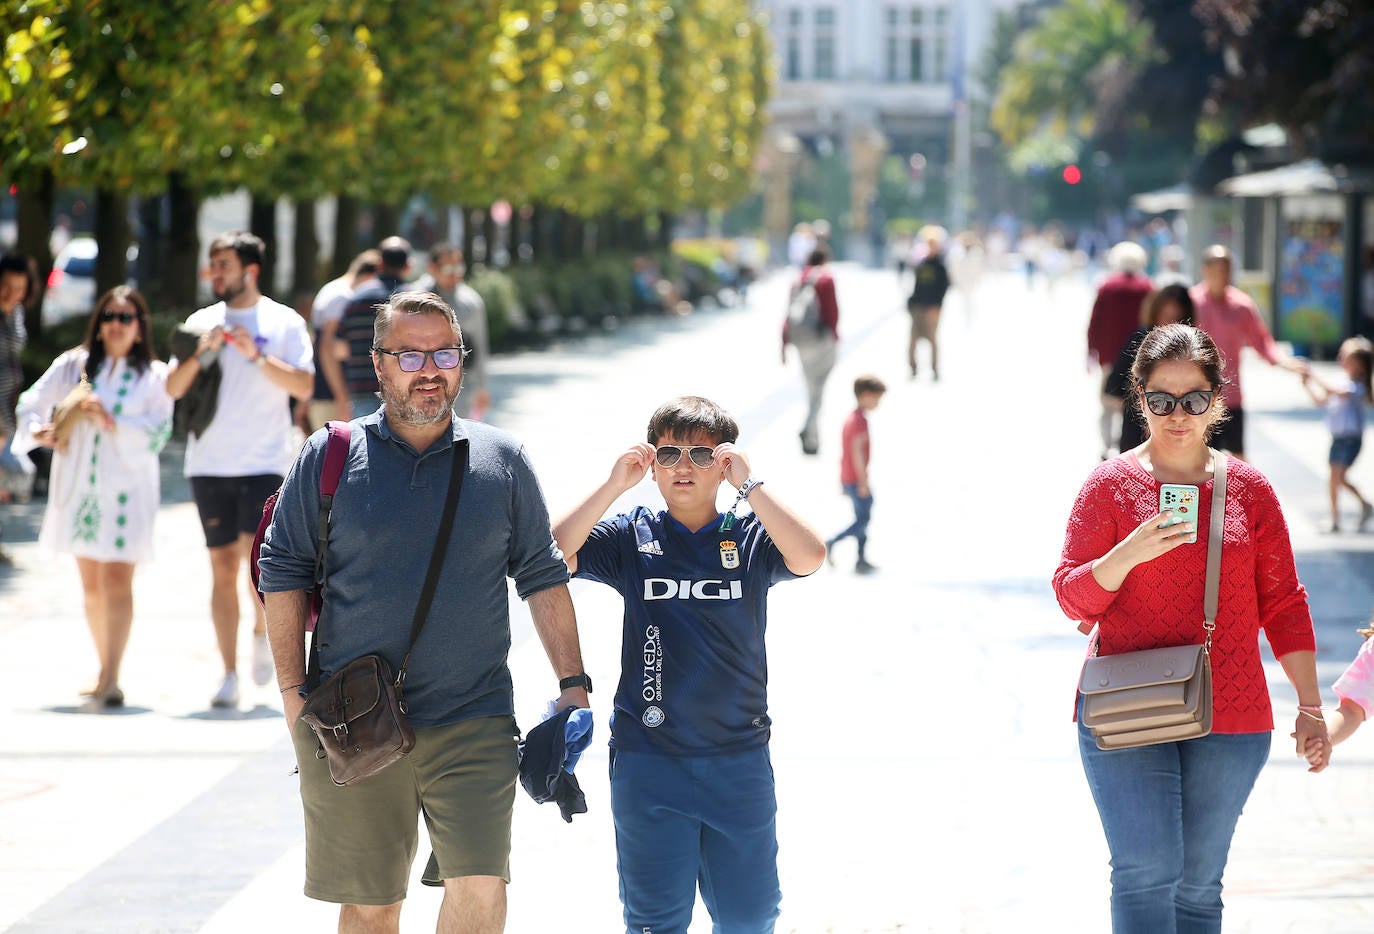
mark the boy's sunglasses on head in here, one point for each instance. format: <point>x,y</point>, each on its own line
<point>1196,402</point>
<point>667,455</point>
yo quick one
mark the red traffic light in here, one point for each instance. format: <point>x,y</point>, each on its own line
<point>1072,175</point>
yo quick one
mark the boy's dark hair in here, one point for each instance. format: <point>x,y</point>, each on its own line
<point>18,262</point>
<point>819,257</point>
<point>246,246</point>
<point>869,383</point>
<point>689,415</point>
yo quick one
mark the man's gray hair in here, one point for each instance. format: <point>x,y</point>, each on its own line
<point>412,303</point>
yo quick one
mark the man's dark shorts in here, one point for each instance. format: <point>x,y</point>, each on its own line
<point>1230,434</point>
<point>230,506</point>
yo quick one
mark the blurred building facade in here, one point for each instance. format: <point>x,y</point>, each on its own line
<point>870,79</point>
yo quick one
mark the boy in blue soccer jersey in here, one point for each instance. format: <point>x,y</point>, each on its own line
<point>691,782</point>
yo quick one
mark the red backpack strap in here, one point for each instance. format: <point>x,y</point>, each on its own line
<point>331,472</point>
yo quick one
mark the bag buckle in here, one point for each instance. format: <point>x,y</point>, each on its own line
<point>340,731</point>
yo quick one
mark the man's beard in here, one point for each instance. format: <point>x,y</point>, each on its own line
<point>404,408</point>
<point>230,292</point>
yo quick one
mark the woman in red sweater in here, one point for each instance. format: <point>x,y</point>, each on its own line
<point>1169,810</point>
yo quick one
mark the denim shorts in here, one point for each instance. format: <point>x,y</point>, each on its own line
<point>1344,449</point>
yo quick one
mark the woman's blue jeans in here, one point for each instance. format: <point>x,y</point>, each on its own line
<point>1169,812</point>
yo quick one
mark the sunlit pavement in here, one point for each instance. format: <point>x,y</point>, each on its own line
<point>927,770</point>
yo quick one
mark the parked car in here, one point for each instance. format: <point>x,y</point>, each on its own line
<point>71,284</point>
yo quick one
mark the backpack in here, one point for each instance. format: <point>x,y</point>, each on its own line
<point>331,472</point>
<point>804,313</point>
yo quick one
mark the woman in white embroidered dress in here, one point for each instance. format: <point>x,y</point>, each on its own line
<point>104,489</point>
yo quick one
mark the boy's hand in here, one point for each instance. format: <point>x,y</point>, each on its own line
<point>734,462</point>
<point>631,466</point>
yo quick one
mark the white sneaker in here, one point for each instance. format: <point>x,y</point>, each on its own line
<point>262,660</point>
<point>228,693</point>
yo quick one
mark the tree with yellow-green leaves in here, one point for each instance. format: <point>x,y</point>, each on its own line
<point>616,111</point>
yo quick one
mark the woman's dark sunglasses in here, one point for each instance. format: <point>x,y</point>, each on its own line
<point>413,361</point>
<point>667,455</point>
<point>123,317</point>
<point>1196,402</point>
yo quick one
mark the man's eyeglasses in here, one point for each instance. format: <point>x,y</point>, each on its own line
<point>413,361</point>
<point>667,455</point>
<point>453,269</point>
<point>123,317</point>
<point>1196,402</point>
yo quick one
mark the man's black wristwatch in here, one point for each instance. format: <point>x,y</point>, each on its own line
<point>576,681</point>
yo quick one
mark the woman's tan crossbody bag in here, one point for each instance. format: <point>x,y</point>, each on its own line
<point>1159,695</point>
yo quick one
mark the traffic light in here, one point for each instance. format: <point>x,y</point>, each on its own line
<point>1072,175</point>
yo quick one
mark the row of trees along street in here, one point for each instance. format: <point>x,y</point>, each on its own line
<point>619,114</point>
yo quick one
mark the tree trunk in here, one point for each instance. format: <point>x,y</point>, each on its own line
<point>515,233</point>
<point>112,235</point>
<point>469,235</point>
<point>35,225</point>
<point>306,252</point>
<point>488,239</point>
<point>345,234</point>
<point>386,221</point>
<point>152,246</point>
<point>262,220</point>
<point>665,230</point>
<point>539,240</point>
<point>183,245</point>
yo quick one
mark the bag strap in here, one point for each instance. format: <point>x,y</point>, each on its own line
<point>331,472</point>
<point>436,558</point>
<point>1209,598</point>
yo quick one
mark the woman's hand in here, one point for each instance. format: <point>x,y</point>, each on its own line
<point>1146,543</point>
<point>1313,743</point>
<point>46,436</point>
<point>92,408</point>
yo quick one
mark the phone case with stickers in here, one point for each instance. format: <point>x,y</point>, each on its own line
<point>1182,498</point>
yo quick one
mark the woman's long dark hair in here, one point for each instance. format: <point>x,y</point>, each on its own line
<point>141,353</point>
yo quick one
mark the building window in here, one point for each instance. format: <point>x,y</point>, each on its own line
<point>792,44</point>
<point>917,43</point>
<point>824,64</point>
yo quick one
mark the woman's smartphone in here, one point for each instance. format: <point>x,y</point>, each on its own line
<point>1182,499</point>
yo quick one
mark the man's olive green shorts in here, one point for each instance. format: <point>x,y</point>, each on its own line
<point>360,841</point>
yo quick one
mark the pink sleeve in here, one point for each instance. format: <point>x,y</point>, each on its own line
<point>1092,532</point>
<point>1357,682</point>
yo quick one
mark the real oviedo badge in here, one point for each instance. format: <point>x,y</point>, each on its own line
<point>729,555</point>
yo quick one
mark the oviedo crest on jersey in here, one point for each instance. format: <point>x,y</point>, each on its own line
<point>729,555</point>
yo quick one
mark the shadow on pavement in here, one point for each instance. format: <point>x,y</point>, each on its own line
<point>259,712</point>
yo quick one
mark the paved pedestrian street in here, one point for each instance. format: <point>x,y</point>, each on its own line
<point>927,768</point>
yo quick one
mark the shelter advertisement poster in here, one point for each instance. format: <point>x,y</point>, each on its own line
<point>1311,277</point>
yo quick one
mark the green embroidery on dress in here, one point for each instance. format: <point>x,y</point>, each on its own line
<point>119,542</point>
<point>86,519</point>
<point>123,498</point>
<point>158,435</point>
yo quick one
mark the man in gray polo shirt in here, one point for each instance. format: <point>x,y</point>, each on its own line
<point>361,839</point>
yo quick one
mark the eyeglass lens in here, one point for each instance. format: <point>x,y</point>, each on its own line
<point>413,361</point>
<point>123,317</point>
<point>1194,403</point>
<point>667,455</point>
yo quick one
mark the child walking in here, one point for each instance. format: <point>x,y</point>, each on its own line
<point>1355,688</point>
<point>691,781</point>
<point>855,454</point>
<point>1345,399</point>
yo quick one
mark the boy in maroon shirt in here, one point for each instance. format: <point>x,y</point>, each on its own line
<point>855,455</point>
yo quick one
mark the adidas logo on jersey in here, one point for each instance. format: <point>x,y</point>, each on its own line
<point>661,588</point>
<point>651,548</point>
